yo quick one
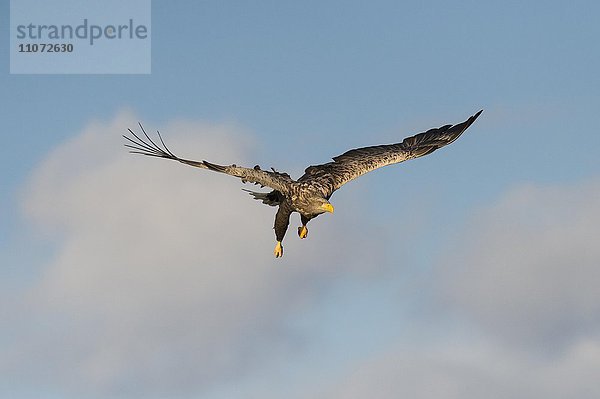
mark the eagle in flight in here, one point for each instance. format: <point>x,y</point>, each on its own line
<point>309,195</point>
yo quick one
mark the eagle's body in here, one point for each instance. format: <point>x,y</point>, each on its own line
<point>309,195</point>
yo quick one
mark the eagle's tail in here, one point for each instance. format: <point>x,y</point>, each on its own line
<point>274,198</point>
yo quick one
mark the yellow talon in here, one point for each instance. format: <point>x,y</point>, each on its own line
<point>278,250</point>
<point>302,232</point>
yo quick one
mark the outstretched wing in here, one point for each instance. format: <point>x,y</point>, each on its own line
<point>354,163</point>
<point>275,180</point>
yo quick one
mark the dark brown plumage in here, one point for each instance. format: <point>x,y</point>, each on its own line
<point>309,195</point>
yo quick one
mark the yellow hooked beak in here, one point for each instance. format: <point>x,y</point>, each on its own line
<point>327,207</point>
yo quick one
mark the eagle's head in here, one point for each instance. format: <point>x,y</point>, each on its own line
<point>322,206</point>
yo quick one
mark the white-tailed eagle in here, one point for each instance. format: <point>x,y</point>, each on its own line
<point>309,195</point>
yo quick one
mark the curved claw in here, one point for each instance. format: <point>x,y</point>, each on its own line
<point>302,232</point>
<point>278,250</point>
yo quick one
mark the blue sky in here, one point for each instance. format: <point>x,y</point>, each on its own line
<point>473,270</point>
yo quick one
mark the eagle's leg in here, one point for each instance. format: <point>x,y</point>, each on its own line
<point>278,250</point>
<point>303,230</point>
<point>282,220</point>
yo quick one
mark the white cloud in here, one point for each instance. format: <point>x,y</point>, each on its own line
<point>527,269</point>
<point>163,281</point>
<point>473,370</point>
<point>517,313</point>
